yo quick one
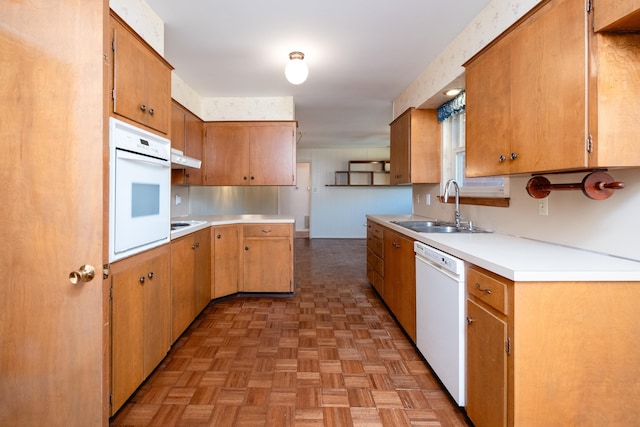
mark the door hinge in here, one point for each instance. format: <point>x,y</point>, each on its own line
<point>589,144</point>
<point>113,44</point>
<point>106,269</point>
<point>507,346</point>
<point>588,6</point>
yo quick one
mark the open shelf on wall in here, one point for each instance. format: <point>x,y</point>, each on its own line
<point>363,173</point>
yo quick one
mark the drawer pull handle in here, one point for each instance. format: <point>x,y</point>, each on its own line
<point>488,291</point>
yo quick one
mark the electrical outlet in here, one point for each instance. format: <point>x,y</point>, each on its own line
<point>543,206</point>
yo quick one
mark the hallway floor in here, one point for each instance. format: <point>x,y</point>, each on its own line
<point>331,355</point>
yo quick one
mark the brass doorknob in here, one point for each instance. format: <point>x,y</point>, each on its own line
<point>84,274</point>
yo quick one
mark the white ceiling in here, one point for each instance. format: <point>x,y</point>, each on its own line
<point>361,54</point>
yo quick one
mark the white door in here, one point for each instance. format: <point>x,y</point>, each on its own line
<point>52,332</point>
<point>296,200</point>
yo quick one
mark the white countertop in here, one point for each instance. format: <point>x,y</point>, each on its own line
<point>209,220</point>
<point>522,259</point>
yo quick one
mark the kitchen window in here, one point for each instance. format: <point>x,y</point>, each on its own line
<point>452,117</point>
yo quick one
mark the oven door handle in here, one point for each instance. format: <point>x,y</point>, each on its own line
<point>126,155</point>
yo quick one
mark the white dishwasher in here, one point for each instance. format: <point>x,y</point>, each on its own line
<point>441,316</point>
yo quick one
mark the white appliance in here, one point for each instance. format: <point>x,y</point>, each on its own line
<point>139,190</point>
<point>180,161</point>
<point>440,316</point>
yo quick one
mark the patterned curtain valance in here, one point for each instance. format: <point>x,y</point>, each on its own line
<point>451,108</point>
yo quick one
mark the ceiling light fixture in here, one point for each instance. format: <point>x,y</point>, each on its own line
<point>453,92</point>
<point>296,70</point>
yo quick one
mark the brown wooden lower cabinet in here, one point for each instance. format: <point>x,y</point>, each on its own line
<point>551,353</point>
<point>158,293</point>
<point>375,256</point>
<point>140,320</point>
<point>268,258</point>
<point>391,270</point>
<point>190,279</point>
<point>225,259</point>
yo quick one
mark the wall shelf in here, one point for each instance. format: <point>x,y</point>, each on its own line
<point>363,173</point>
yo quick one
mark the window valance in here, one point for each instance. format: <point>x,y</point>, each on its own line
<point>452,107</point>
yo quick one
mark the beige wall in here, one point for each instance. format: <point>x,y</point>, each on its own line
<point>608,226</point>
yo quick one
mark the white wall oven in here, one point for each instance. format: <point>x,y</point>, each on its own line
<point>139,190</point>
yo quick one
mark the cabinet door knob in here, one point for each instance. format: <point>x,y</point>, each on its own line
<point>143,107</point>
<point>253,177</point>
<point>246,248</point>
<point>469,320</point>
<point>150,275</point>
<point>142,279</point>
<point>501,158</point>
<point>244,177</point>
<point>151,111</point>
<point>219,236</point>
<point>513,156</point>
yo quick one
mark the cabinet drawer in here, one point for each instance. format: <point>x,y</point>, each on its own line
<point>376,262</point>
<point>267,230</point>
<point>488,288</point>
<point>374,230</point>
<point>376,245</point>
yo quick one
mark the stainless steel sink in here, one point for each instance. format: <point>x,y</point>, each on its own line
<point>438,227</point>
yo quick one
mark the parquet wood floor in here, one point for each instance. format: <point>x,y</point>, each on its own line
<point>331,355</point>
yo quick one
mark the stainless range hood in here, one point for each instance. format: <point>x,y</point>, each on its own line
<point>180,161</point>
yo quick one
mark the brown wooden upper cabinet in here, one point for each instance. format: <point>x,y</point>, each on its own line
<point>250,153</point>
<point>415,147</point>
<point>186,136</point>
<point>551,95</point>
<point>616,15</point>
<point>140,79</point>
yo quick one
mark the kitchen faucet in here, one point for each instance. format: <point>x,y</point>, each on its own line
<point>446,197</point>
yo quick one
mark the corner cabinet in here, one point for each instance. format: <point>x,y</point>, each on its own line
<point>250,153</point>
<point>551,353</point>
<point>186,136</point>
<point>415,147</point>
<point>140,320</point>
<point>225,259</point>
<point>140,79</point>
<point>268,258</point>
<point>532,93</point>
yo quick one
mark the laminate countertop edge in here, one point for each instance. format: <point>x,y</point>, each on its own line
<point>213,220</point>
<point>522,259</point>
